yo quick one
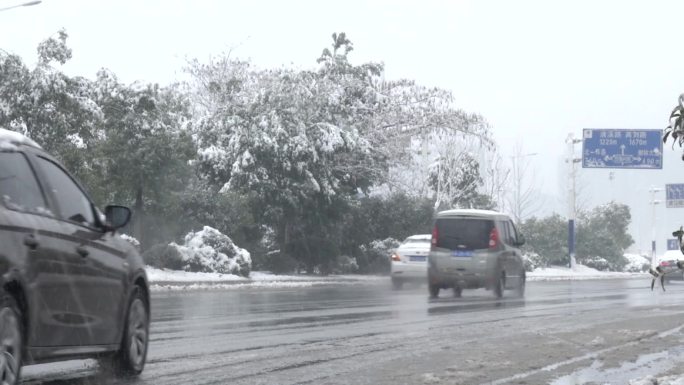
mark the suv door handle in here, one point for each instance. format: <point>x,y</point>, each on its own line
<point>31,241</point>
<point>82,251</point>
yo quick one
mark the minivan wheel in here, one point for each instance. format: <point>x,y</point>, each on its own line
<point>11,339</point>
<point>520,290</point>
<point>500,285</point>
<point>457,292</point>
<point>130,359</point>
<point>434,290</point>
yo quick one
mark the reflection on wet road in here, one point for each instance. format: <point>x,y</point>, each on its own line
<point>367,333</point>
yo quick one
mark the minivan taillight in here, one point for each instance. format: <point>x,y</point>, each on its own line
<point>435,235</point>
<point>494,238</point>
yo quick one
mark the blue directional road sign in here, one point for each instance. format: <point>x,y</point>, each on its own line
<point>673,244</point>
<point>618,148</point>
<point>674,195</point>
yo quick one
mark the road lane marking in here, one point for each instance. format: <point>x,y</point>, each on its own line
<point>587,356</point>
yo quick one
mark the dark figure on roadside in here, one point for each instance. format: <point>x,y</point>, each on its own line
<point>679,234</point>
<point>659,272</point>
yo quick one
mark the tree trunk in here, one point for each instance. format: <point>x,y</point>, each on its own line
<point>138,210</point>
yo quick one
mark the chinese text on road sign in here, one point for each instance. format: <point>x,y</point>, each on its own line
<point>618,148</point>
<point>674,195</point>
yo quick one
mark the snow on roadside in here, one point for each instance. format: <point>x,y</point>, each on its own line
<point>650,380</point>
<point>247,285</point>
<point>265,276</point>
<point>636,263</point>
<point>558,273</point>
<point>166,275</point>
<point>179,276</point>
<point>164,279</point>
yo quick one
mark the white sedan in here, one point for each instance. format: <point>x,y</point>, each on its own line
<point>409,260</point>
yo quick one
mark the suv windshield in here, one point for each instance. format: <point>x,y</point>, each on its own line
<point>18,187</point>
<point>463,233</point>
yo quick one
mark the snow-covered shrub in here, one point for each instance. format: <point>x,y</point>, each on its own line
<point>164,256</point>
<point>208,250</point>
<point>533,261</point>
<point>131,240</point>
<point>597,263</point>
<point>345,265</point>
<point>636,263</point>
<point>375,256</point>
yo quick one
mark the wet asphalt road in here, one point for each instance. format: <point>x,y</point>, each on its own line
<point>570,332</point>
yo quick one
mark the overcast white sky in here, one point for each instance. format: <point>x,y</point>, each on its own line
<point>536,70</point>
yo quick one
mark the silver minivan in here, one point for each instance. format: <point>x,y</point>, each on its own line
<point>474,249</point>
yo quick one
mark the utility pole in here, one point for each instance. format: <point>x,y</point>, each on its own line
<point>572,195</point>
<point>653,202</point>
<point>439,184</point>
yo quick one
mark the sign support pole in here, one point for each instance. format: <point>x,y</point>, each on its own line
<point>572,196</point>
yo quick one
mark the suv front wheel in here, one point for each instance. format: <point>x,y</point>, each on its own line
<point>500,284</point>
<point>130,359</point>
<point>434,290</point>
<point>11,338</point>
<point>520,289</point>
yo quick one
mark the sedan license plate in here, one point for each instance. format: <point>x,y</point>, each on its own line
<point>417,258</point>
<point>462,253</point>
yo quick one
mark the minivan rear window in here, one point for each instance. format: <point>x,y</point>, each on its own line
<point>463,233</point>
<point>416,241</point>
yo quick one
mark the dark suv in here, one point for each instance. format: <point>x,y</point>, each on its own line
<point>71,287</point>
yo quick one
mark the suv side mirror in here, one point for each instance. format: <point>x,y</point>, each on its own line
<point>117,216</point>
<point>521,240</point>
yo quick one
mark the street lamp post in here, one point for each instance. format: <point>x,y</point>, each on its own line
<point>572,196</point>
<point>27,4</point>
<point>654,202</point>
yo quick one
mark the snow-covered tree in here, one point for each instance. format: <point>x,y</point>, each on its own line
<point>523,197</point>
<point>417,125</point>
<point>306,142</point>
<point>144,148</point>
<point>289,137</point>
<point>495,176</point>
<point>456,180</point>
<point>603,232</point>
<point>128,144</point>
<point>55,110</point>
